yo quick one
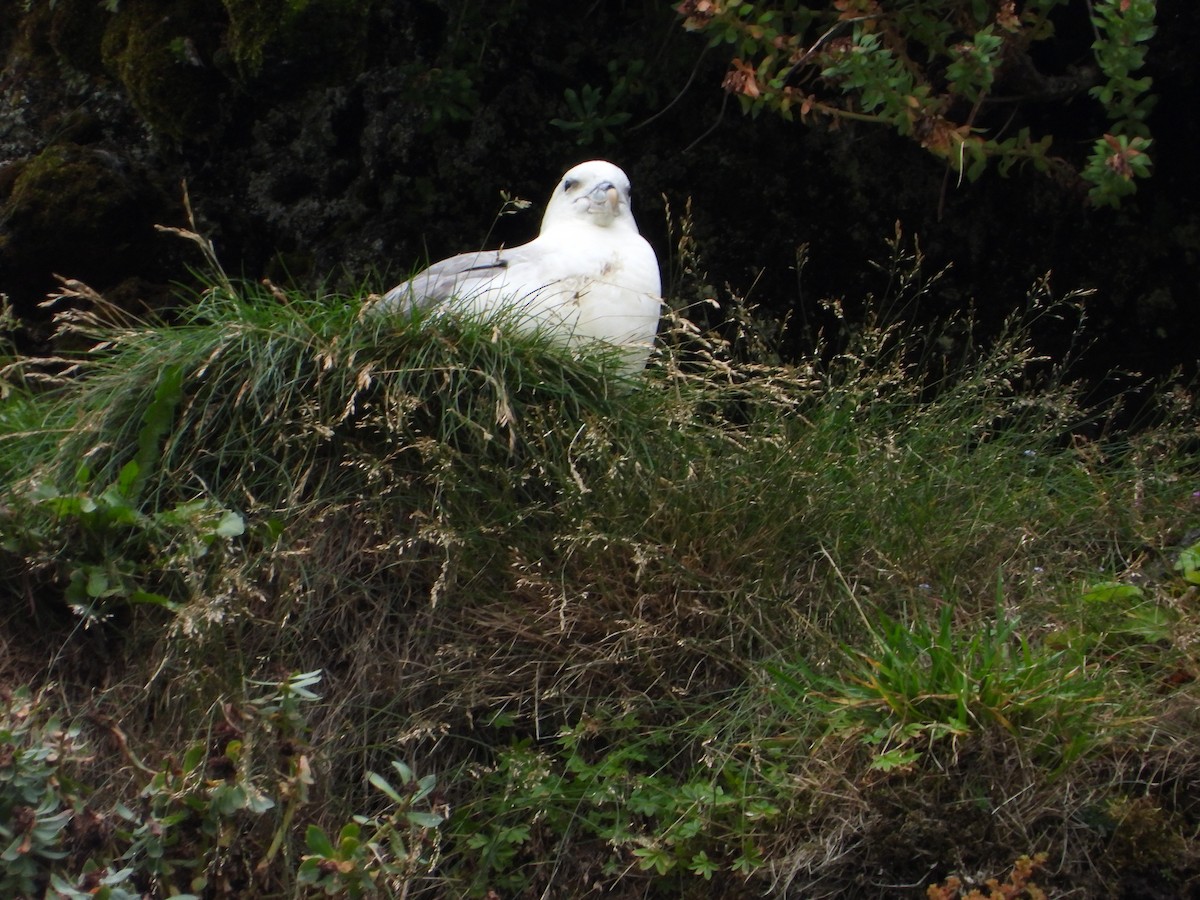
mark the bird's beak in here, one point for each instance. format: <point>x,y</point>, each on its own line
<point>606,194</point>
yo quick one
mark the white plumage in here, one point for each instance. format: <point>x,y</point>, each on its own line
<point>588,275</point>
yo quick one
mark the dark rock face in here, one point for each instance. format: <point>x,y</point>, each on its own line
<point>346,141</point>
<point>80,210</point>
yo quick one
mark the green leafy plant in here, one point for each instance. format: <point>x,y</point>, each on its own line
<point>937,72</point>
<point>594,112</point>
<point>616,785</point>
<point>919,682</point>
<point>1122,614</point>
<point>371,854</point>
<point>42,806</point>
<point>188,816</point>
<point>120,542</point>
<point>1188,564</point>
<point>34,813</point>
<point>118,552</point>
<point>96,883</point>
<point>193,809</point>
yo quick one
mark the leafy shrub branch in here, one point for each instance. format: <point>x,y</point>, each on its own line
<point>199,826</point>
<point>951,75</point>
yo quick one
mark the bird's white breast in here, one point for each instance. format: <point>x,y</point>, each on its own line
<point>583,284</point>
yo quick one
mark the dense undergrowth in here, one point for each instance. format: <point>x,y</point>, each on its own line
<point>299,601</point>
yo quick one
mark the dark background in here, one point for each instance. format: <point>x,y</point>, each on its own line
<point>347,142</point>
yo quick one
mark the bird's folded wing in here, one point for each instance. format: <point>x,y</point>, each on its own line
<point>457,276</point>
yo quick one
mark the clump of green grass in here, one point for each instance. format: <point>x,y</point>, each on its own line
<point>563,592</point>
<point>919,682</point>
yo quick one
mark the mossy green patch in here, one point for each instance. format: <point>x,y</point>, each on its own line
<point>78,211</point>
<point>68,190</point>
<point>161,53</point>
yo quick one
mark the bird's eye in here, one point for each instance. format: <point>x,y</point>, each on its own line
<point>569,185</point>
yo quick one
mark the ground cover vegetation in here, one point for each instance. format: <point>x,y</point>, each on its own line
<point>302,602</point>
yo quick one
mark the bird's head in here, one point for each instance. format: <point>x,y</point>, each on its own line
<point>596,192</point>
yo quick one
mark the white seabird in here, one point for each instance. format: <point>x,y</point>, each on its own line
<point>588,275</point>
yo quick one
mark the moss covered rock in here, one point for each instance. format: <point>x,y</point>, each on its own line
<point>162,53</point>
<point>80,212</point>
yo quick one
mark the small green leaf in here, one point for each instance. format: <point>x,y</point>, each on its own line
<point>349,835</point>
<point>258,802</point>
<point>747,864</point>
<point>894,759</point>
<point>310,869</point>
<point>701,865</point>
<point>1111,592</point>
<point>380,783</point>
<point>1188,564</point>
<point>273,526</point>
<point>127,478</point>
<point>654,858</point>
<point>424,819</point>
<point>318,842</point>
<point>154,600</point>
<point>97,582</point>
<point>300,683</point>
<point>1149,622</point>
<point>228,799</point>
<point>193,757</point>
<point>231,525</point>
<point>425,787</point>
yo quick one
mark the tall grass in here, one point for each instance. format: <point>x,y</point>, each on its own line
<point>566,592</point>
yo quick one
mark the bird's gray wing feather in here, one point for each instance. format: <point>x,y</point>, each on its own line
<point>457,276</point>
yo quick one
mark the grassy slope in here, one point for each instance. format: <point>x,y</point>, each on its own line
<point>775,628</point>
